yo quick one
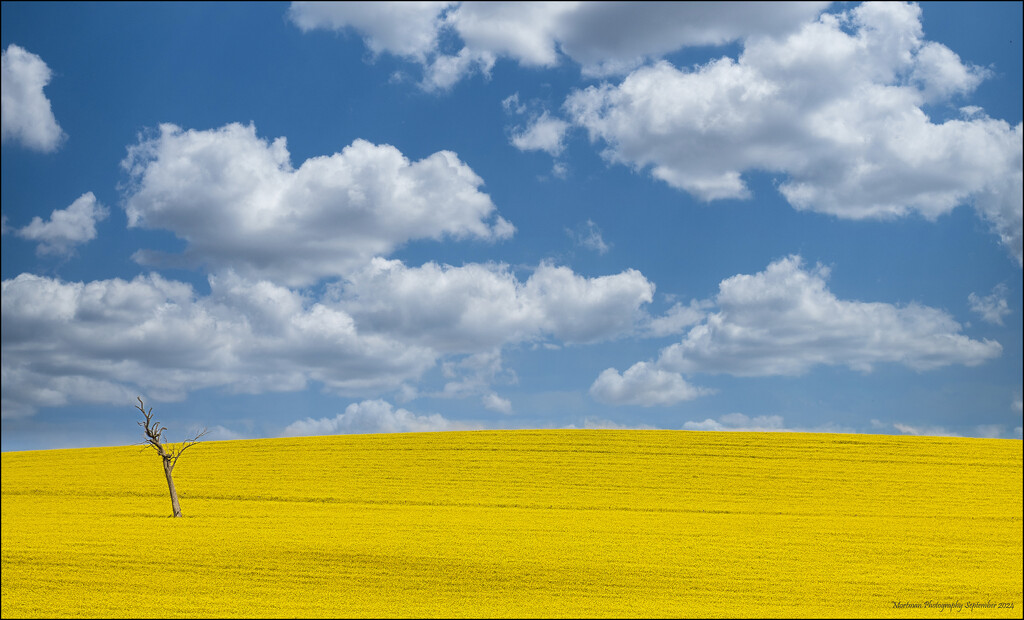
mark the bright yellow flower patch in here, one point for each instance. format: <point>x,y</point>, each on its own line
<point>520,523</point>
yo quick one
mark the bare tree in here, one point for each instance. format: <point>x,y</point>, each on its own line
<point>154,437</point>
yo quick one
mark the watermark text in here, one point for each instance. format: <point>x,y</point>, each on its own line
<point>956,606</point>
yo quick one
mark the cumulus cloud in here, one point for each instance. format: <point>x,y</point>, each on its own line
<point>261,227</point>
<point>478,307</point>
<point>784,321</point>
<point>25,110</point>
<point>613,37</point>
<point>402,28</point>
<point>375,416</point>
<point>836,108</point>
<point>678,318</point>
<point>103,341</point>
<point>238,203</point>
<point>577,309</point>
<point>603,37</point>
<point>643,384</point>
<point>940,74</point>
<point>544,133</point>
<point>993,307</point>
<point>66,228</point>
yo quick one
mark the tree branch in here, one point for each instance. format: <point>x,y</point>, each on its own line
<point>188,443</point>
<point>154,432</point>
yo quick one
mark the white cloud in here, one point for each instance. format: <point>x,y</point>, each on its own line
<point>238,203</point>
<point>496,403</point>
<point>738,422</point>
<point>678,318</point>
<point>1000,204</point>
<point>834,105</point>
<point>589,236</point>
<point>989,431</point>
<point>467,309</point>
<point>407,29</point>
<point>838,113</point>
<point>222,433</point>
<point>519,30</point>
<point>261,226</point>
<point>643,384</point>
<point>68,227</point>
<point>604,37</point>
<point>577,309</point>
<point>25,110</point>
<point>614,37</point>
<point>477,307</point>
<point>474,375</point>
<point>445,71</point>
<point>290,339</point>
<point>104,341</point>
<point>70,342</point>
<point>512,105</point>
<point>375,416</point>
<point>603,424</point>
<point>993,307</point>
<point>544,133</point>
<point>926,430</point>
<point>784,321</point>
<point>941,74</point>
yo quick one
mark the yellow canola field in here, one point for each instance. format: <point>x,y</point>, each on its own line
<point>570,523</point>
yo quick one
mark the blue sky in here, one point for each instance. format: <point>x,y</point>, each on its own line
<point>271,219</point>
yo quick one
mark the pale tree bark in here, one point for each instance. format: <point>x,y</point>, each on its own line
<point>175,506</point>
<point>169,455</point>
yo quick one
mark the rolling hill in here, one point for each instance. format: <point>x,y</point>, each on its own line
<point>593,523</point>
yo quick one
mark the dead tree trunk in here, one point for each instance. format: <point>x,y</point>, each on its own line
<point>169,455</point>
<point>168,468</point>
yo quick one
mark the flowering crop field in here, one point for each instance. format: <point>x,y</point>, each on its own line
<point>571,523</point>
